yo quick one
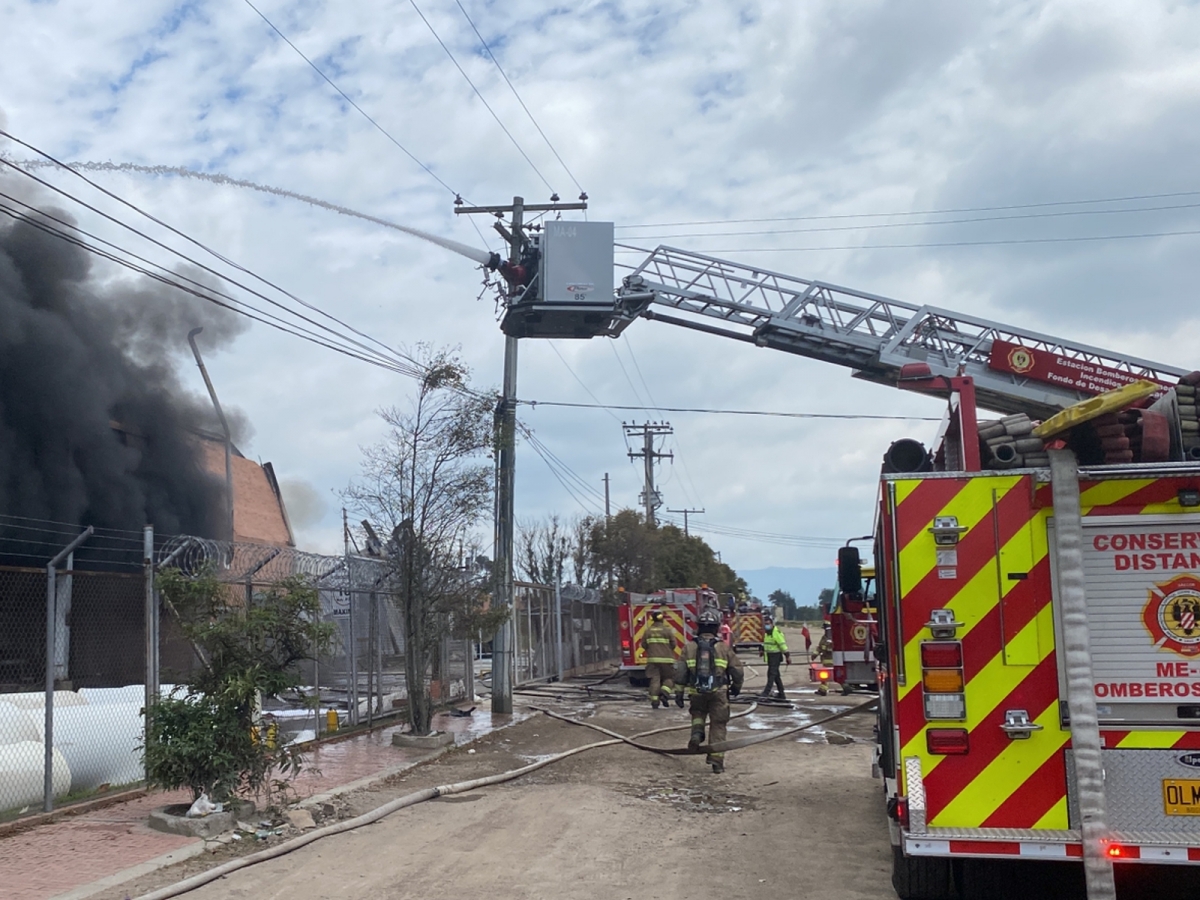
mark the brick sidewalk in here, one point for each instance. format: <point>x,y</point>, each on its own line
<point>53,859</point>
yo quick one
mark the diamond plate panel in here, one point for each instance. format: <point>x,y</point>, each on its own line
<point>914,785</point>
<point>1133,782</point>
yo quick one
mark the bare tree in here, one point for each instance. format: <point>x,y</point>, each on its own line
<point>428,484</point>
<point>542,549</point>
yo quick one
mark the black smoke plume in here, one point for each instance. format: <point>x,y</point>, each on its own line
<point>95,426</point>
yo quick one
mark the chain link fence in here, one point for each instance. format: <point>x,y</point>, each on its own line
<point>95,620</point>
<point>576,635</point>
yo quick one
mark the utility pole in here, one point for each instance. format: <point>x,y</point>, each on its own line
<point>649,431</point>
<point>506,427</point>
<point>686,512</point>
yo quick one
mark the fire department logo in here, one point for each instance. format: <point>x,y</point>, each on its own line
<point>1172,615</point>
<point>859,633</point>
<point>1020,359</point>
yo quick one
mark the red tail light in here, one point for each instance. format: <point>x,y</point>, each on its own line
<point>823,675</point>
<point>941,655</point>
<point>624,643</point>
<point>947,741</point>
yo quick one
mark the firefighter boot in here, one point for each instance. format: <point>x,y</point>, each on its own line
<point>666,700</point>
<point>654,704</point>
<point>697,736</point>
<point>718,766</point>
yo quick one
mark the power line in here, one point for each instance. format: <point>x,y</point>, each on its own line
<point>726,412</point>
<point>347,98</point>
<point>178,233</point>
<point>693,494</point>
<point>624,372</point>
<point>169,280</point>
<point>518,96</point>
<point>238,307</point>
<point>878,225</point>
<point>924,212</point>
<point>580,380</point>
<point>478,94</point>
<point>1056,240</point>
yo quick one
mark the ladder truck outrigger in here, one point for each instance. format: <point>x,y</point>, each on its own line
<point>1037,586</point>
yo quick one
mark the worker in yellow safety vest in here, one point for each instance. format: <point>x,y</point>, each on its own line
<point>775,651</point>
<point>711,673</point>
<point>661,649</point>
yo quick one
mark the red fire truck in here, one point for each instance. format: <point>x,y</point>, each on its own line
<point>845,655</point>
<point>681,608</point>
<point>1038,591</point>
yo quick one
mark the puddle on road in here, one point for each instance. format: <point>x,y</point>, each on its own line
<point>701,801</point>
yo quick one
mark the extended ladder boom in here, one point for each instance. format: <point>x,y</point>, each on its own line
<point>873,335</point>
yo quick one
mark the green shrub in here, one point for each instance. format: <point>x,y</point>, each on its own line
<point>208,740</point>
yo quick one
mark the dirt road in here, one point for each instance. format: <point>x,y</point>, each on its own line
<point>788,818</point>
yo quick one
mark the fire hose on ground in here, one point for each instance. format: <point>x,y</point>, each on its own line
<point>203,878</point>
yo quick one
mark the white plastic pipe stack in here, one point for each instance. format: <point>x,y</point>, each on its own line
<point>16,725</point>
<point>21,774</point>
<point>37,700</point>
<point>100,743</point>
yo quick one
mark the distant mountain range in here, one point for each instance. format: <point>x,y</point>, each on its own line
<point>803,584</point>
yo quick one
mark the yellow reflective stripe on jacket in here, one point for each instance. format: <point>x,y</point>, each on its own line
<point>774,642</point>
<point>720,663</point>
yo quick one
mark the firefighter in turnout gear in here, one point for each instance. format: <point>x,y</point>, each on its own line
<point>775,651</point>
<point>712,674</point>
<point>660,646</point>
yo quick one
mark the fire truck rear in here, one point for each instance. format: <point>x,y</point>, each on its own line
<point>681,608</point>
<point>1039,651</point>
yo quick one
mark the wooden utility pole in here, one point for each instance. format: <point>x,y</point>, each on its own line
<point>506,427</point>
<point>686,512</point>
<point>649,431</point>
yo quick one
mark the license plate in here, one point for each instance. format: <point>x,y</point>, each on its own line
<point>1181,796</point>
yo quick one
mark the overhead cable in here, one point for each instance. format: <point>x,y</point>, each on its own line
<point>877,225</point>
<point>182,256</point>
<point>347,98</point>
<point>919,212</point>
<point>727,412</point>
<point>237,307</point>
<point>215,254</point>
<point>513,87</point>
<point>1051,240</point>
<point>478,94</point>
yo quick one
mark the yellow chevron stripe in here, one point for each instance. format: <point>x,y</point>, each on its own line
<point>974,601</point>
<point>1150,740</point>
<point>973,507</point>
<point>1003,775</point>
<point>985,691</point>
<point>1055,817</point>
<point>1107,493</point>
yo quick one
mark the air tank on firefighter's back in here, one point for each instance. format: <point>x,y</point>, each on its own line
<point>906,455</point>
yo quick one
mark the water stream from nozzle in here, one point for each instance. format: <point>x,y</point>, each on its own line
<point>471,253</point>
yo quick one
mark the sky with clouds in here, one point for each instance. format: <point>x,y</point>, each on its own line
<point>665,112</point>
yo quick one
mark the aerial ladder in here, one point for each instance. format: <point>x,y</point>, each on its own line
<point>940,720</point>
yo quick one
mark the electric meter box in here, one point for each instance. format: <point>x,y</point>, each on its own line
<point>577,263</point>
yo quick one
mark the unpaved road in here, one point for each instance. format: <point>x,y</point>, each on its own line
<point>788,818</point>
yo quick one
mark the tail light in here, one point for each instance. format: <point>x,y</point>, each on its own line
<point>625,643</point>
<point>823,675</point>
<point>897,808</point>
<point>943,682</point>
<point>947,741</point>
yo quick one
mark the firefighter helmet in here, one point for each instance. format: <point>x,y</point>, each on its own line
<point>656,614</point>
<point>710,620</point>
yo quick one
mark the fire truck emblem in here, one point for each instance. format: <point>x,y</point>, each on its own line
<point>1172,615</point>
<point>1020,359</point>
